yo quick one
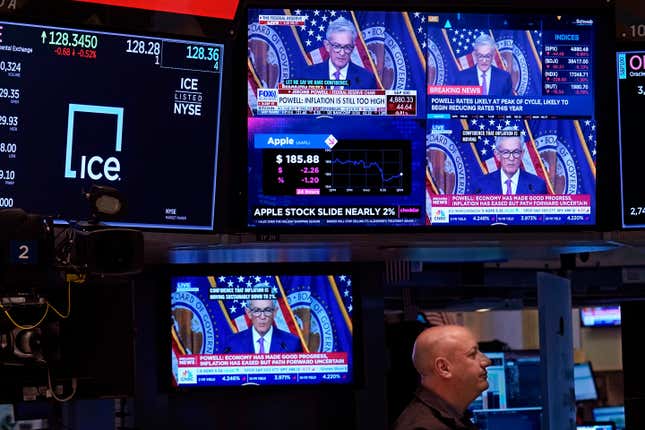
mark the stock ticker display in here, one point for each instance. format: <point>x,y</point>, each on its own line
<point>365,118</point>
<point>631,94</point>
<point>137,113</point>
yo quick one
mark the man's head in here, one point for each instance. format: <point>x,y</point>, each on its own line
<point>261,313</point>
<point>483,50</point>
<point>450,364</point>
<point>340,41</point>
<point>508,153</point>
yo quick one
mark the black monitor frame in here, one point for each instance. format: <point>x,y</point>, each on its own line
<point>230,269</point>
<point>606,203</point>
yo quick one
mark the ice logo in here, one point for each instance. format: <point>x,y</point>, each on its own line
<point>94,167</point>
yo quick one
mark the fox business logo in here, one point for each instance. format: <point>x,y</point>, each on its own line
<point>93,166</point>
<point>267,94</point>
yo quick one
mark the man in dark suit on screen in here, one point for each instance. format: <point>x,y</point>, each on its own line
<point>339,44</point>
<point>509,178</point>
<point>494,81</point>
<point>262,337</point>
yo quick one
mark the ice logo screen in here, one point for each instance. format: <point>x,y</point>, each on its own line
<point>93,166</point>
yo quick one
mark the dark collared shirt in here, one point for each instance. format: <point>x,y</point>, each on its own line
<point>428,411</point>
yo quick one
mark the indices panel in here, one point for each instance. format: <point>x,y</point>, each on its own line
<point>631,108</point>
<point>133,112</point>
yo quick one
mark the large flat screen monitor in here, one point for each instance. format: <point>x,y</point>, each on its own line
<point>631,81</point>
<point>398,118</point>
<point>262,329</point>
<point>134,112</point>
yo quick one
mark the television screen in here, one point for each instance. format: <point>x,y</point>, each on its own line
<point>129,111</point>
<point>262,329</point>
<point>514,381</point>
<point>374,118</point>
<point>596,426</point>
<point>600,316</point>
<point>584,383</point>
<point>613,414</point>
<point>631,78</point>
<point>509,419</point>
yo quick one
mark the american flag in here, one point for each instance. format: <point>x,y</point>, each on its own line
<point>418,21</point>
<point>235,309</point>
<point>536,35</point>
<point>344,283</point>
<point>461,43</point>
<point>588,132</point>
<point>313,33</point>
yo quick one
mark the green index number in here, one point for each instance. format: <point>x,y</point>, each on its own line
<point>74,40</point>
<point>205,53</point>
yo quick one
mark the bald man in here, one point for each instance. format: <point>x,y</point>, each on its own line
<point>453,373</point>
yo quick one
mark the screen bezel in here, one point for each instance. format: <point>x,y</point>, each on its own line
<point>165,371</point>
<point>624,46</point>
<point>606,204</point>
<point>100,18</point>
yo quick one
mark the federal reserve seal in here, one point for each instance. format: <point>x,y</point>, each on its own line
<point>314,321</point>
<point>516,64</point>
<point>559,163</point>
<point>193,324</point>
<point>268,55</point>
<point>445,160</point>
<point>388,57</point>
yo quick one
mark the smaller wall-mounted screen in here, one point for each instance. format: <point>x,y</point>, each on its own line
<point>613,414</point>
<point>600,316</point>
<point>129,111</point>
<point>631,91</point>
<point>262,329</point>
<point>596,426</point>
<point>584,383</point>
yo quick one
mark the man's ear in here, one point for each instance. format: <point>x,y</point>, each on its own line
<point>442,367</point>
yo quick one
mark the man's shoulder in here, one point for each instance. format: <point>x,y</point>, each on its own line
<point>418,416</point>
<point>531,176</point>
<point>240,334</point>
<point>468,74</point>
<point>489,177</point>
<point>468,71</point>
<point>499,71</point>
<point>320,66</point>
<point>283,334</point>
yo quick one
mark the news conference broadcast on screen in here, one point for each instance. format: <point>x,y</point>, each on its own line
<point>262,329</point>
<point>360,118</point>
